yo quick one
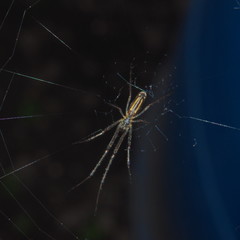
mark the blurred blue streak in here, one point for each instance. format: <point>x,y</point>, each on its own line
<point>186,192</point>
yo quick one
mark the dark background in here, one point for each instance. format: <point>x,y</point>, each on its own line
<point>183,188</point>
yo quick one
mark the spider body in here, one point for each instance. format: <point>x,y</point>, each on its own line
<point>136,104</point>
<point>124,128</point>
<point>134,108</point>
<point>125,124</point>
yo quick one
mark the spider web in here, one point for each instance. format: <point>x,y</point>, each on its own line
<point>36,107</point>
<point>45,80</point>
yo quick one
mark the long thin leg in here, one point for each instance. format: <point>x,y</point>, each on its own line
<point>128,153</point>
<point>130,88</point>
<point>95,135</point>
<point>47,156</point>
<point>108,166</point>
<point>140,121</point>
<point>150,105</point>
<point>101,159</point>
<point>115,106</point>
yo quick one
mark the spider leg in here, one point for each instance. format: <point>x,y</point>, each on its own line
<point>147,107</point>
<point>95,134</point>
<point>140,121</point>
<point>150,105</point>
<point>108,166</point>
<point>115,106</point>
<point>130,87</point>
<point>101,159</point>
<point>128,153</point>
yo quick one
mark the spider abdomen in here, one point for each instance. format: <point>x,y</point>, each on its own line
<point>136,104</point>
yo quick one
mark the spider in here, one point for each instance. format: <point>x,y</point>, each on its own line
<point>124,127</point>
